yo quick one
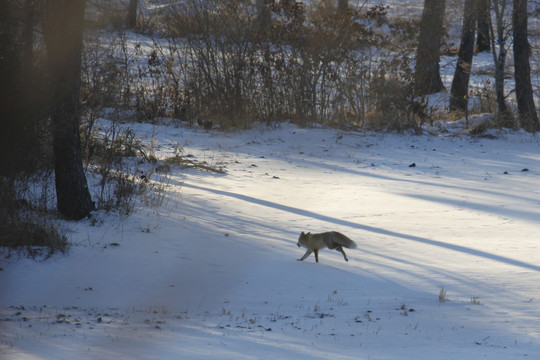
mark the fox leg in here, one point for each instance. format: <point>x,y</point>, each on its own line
<point>340,249</point>
<point>308,252</point>
<point>316,255</point>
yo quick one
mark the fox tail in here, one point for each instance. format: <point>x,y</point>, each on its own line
<point>344,241</point>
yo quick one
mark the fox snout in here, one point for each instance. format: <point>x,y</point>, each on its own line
<point>299,244</point>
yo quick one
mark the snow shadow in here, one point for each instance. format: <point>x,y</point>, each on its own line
<point>452,185</point>
<point>372,229</point>
<point>493,209</point>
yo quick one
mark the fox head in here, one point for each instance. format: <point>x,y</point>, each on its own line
<point>302,239</point>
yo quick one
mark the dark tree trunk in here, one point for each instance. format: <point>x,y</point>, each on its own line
<point>132,14</point>
<point>499,8</point>
<point>63,30</point>
<point>20,100</point>
<point>522,69</point>
<point>8,86</point>
<point>428,54</point>
<point>264,19</point>
<point>343,5</point>
<point>460,83</point>
<point>483,41</point>
<point>499,82</point>
<point>28,37</point>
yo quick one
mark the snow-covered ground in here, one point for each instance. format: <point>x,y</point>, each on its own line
<point>447,265</point>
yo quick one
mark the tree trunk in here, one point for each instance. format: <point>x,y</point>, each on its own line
<point>499,8</point>
<point>20,100</point>
<point>482,24</point>
<point>343,5</point>
<point>522,69</point>
<point>63,30</point>
<point>428,54</point>
<point>28,38</point>
<point>460,83</point>
<point>499,82</point>
<point>9,70</point>
<point>264,19</point>
<point>132,14</point>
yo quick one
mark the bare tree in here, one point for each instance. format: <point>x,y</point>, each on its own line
<point>499,36</point>
<point>460,84</point>
<point>522,68</point>
<point>427,71</point>
<point>21,98</point>
<point>482,25</point>
<point>343,5</point>
<point>264,17</point>
<point>132,14</point>
<point>63,30</point>
<point>9,71</point>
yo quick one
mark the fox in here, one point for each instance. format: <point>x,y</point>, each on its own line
<point>331,239</point>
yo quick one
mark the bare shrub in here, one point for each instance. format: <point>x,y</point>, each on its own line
<point>395,105</point>
<point>216,50</point>
<point>313,65</point>
<point>118,187</point>
<point>25,228</point>
<point>216,66</point>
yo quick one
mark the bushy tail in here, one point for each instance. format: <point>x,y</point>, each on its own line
<point>344,241</point>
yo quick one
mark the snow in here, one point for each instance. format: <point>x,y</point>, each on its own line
<point>212,272</point>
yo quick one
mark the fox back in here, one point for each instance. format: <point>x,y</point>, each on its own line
<point>330,239</point>
<point>333,240</point>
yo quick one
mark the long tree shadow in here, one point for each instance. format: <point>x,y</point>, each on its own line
<point>494,209</point>
<point>413,180</point>
<point>368,228</point>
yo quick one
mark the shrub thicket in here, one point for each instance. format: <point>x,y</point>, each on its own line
<point>311,64</point>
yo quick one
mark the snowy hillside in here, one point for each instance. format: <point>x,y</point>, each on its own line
<point>447,265</point>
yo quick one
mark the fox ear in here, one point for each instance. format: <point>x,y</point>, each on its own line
<point>302,233</point>
<point>309,233</point>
